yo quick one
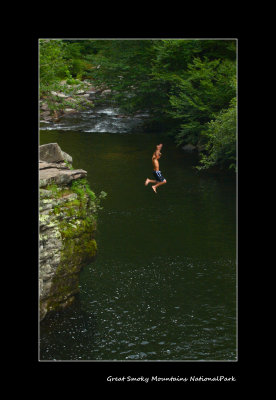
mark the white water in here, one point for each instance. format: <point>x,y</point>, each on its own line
<point>97,120</point>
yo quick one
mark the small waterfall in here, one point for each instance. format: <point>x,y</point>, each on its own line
<point>97,120</point>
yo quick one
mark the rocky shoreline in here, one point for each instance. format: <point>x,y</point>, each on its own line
<point>67,226</point>
<point>70,100</point>
<point>85,97</point>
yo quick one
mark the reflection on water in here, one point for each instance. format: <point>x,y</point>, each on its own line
<point>163,285</point>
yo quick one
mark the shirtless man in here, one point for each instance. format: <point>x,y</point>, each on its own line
<point>159,179</point>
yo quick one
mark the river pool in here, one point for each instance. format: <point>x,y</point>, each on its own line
<point>164,282</point>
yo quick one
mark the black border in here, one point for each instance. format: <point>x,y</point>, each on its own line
<point>98,371</point>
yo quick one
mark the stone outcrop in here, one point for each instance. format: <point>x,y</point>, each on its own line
<point>51,152</point>
<point>54,166</point>
<point>59,174</point>
<point>67,224</point>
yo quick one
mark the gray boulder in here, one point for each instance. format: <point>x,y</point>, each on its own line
<point>69,111</point>
<point>59,94</point>
<point>52,153</point>
<point>105,92</point>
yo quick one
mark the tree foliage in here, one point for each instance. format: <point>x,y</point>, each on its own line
<point>207,88</point>
<point>221,139</point>
<point>60,72</point>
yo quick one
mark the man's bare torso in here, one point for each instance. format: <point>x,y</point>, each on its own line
<point>155,157</point>
<point>159,179</point>
<point>155,163</point>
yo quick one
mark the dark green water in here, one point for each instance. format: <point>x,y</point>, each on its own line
<point>163,286</point>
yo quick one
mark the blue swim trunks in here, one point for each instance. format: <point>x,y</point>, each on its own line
<point>158,176</point>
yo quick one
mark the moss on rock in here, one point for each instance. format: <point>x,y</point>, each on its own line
<point>72,212</point>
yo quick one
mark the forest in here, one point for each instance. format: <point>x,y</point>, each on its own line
<point>188,86</point>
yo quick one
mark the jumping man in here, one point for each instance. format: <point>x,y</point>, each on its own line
<point>159,179</point>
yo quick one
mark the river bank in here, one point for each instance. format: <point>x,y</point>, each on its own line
<point>60,103</point>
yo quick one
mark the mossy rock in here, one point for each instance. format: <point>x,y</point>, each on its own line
<point>73,215</point>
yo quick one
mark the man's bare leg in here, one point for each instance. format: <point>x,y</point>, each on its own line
<point>158,184</point>
<point>149,181</point>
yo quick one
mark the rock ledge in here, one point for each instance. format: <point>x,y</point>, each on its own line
<point>55,166</point>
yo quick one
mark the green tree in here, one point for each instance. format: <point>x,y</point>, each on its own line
<point>221,135</point>
<point>52,65</point>
<point>56,63</point>
<point>207,88</point>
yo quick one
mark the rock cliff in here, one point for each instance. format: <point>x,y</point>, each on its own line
<point>67,224</point>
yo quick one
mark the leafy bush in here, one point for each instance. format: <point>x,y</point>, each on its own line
<point>221,134</point>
